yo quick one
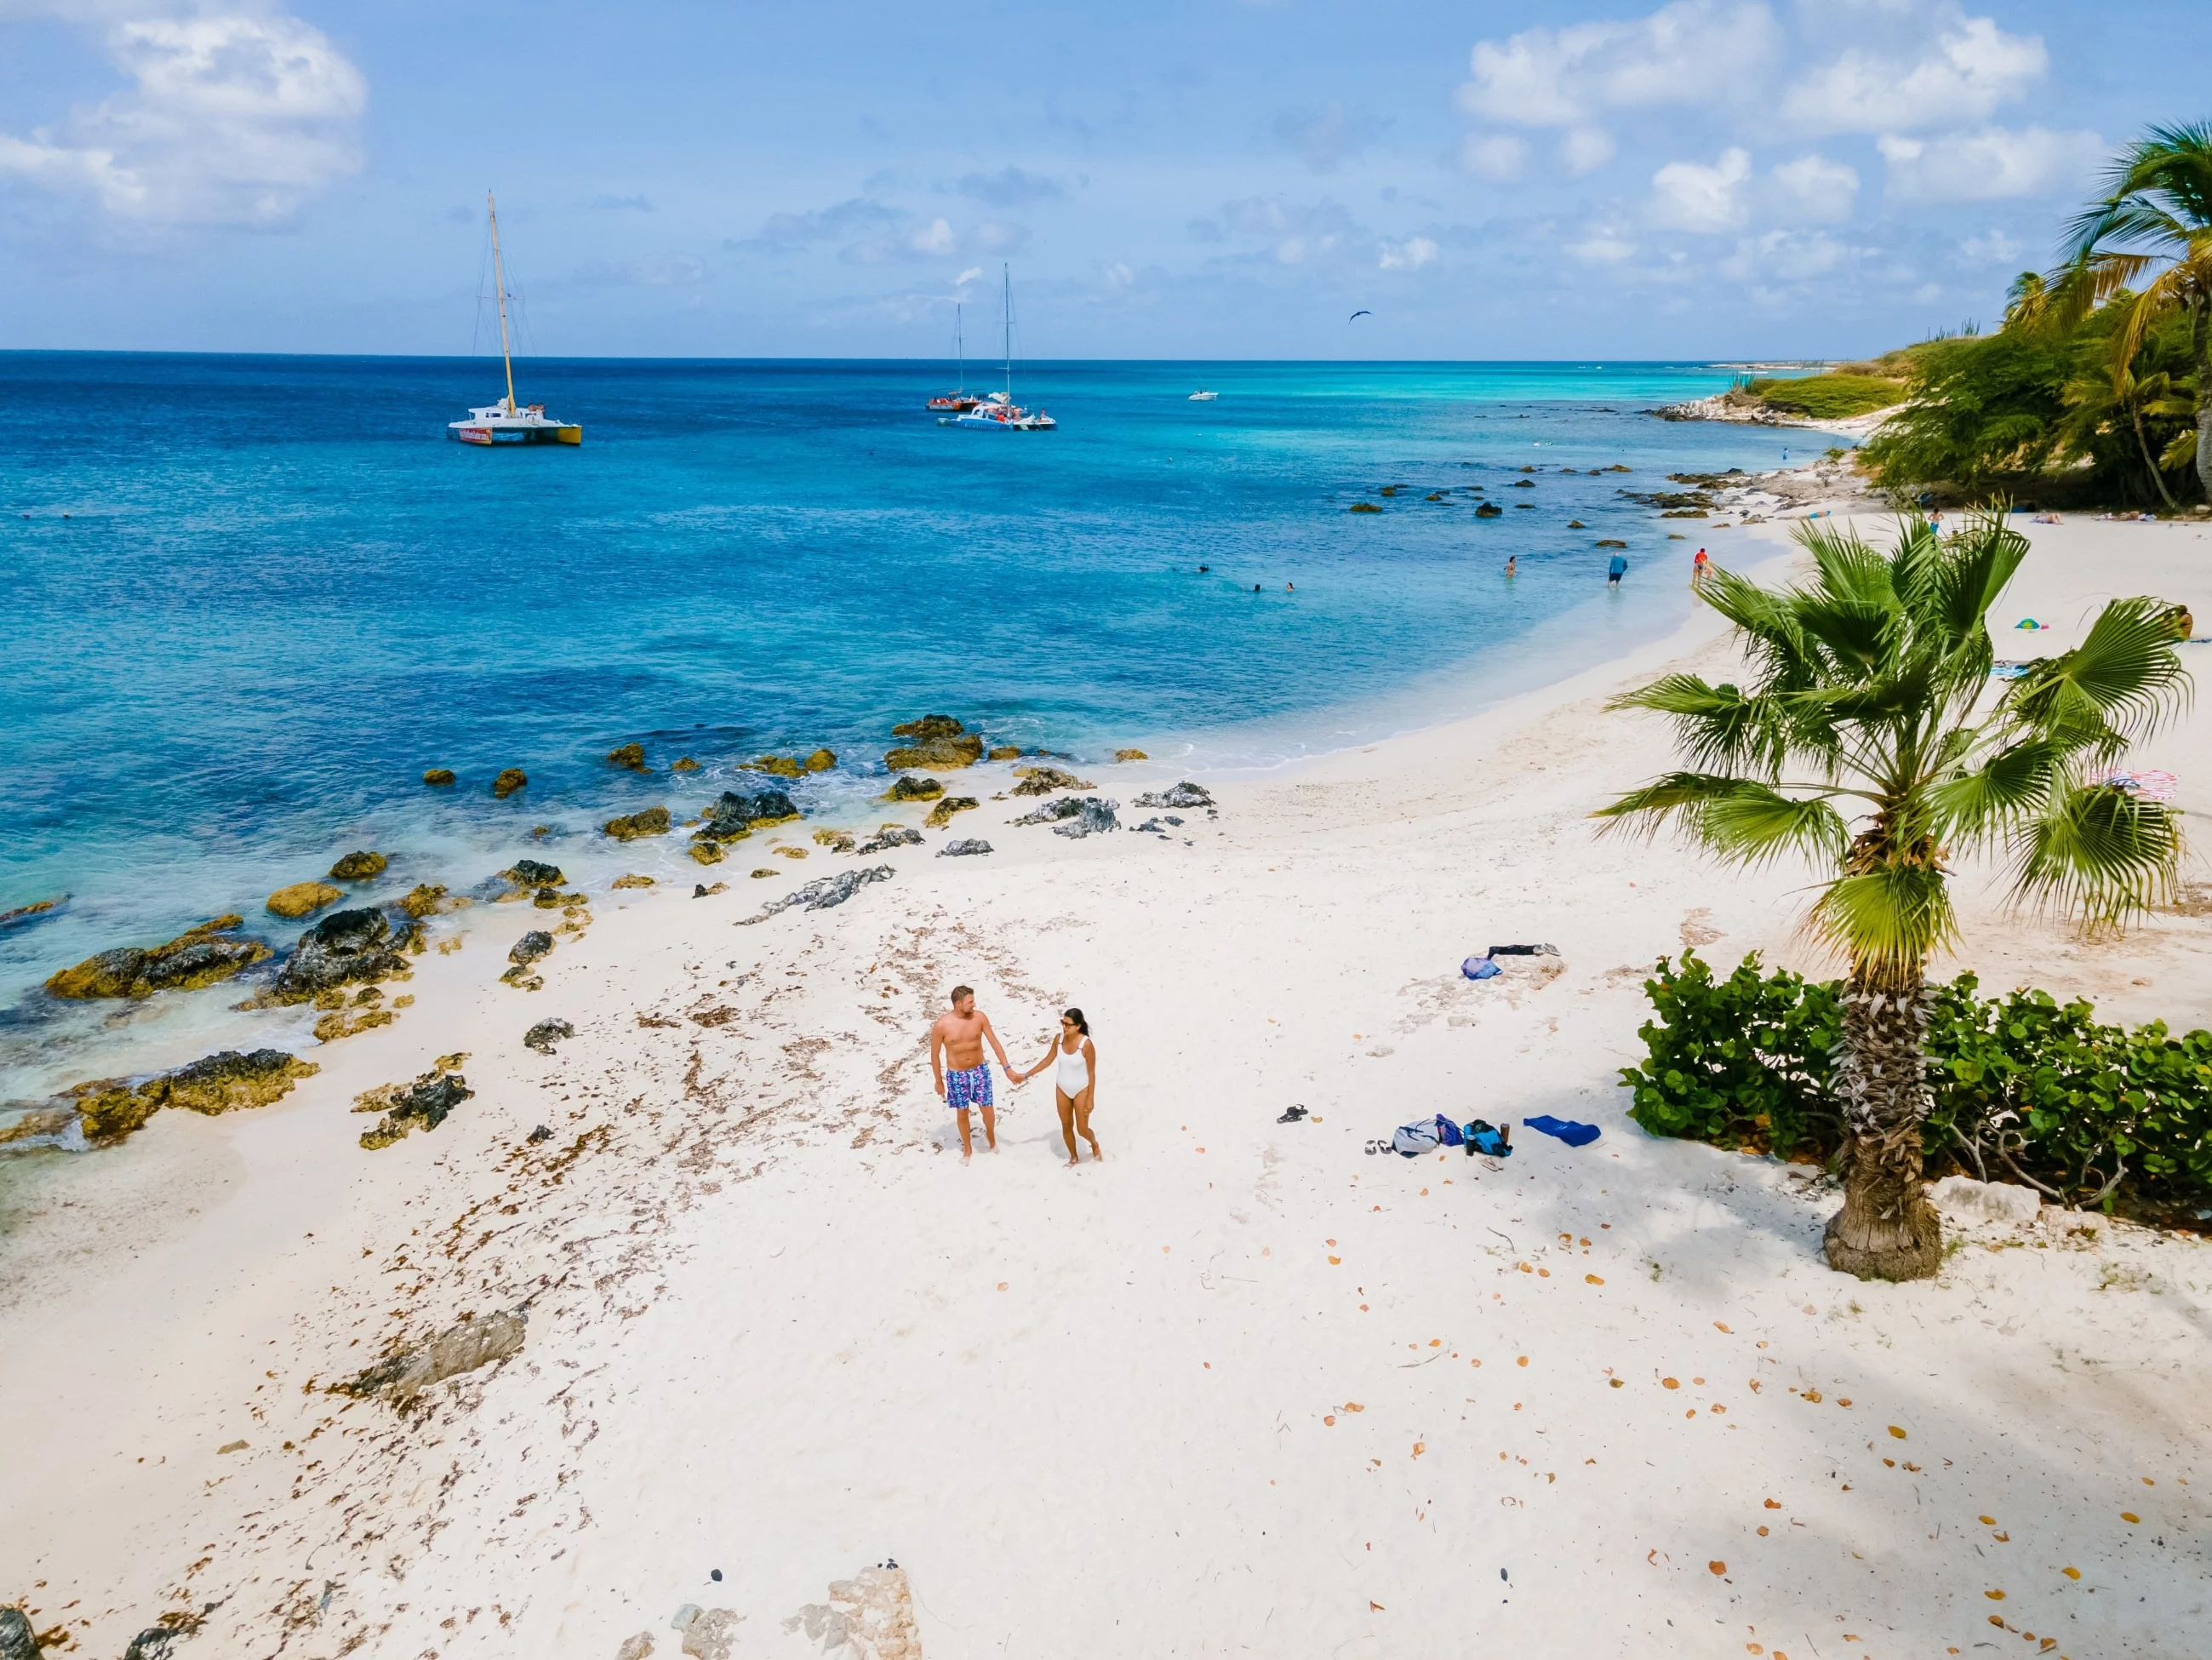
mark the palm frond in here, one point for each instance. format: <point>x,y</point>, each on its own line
<point>1888,919</point>
<point>1742,820</point>
<point>2127,672</point>
<point>1980,564</point>
<point>1975,805</point>
<point>2098,854</point>
<point>1715,726</point>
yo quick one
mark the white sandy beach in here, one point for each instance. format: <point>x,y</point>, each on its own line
<point>1242,1387</point>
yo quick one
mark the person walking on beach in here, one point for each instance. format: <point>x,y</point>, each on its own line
<point>1615,569</point>
<point>1697,568</point>
<point>963,1075</point>
<point>1074,1080</point>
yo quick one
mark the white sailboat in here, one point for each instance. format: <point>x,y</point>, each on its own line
<point>508,422</point>
<point>959,400</point>
<point>999,411</point>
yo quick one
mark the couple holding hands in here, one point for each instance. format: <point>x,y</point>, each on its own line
<point>964,1076</point>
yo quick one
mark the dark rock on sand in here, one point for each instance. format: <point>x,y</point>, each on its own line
<point>733,814</point>
<point>907,788</point>
<point>1092,816</point>
<point>345,948</point>
<point>545,1034</point>
<point>17,1641</point>
<point>218,1083</point>
<point>1052,812</point>
<point>301,899</point>
<point>825,891</point>
<point>534,873</point>
<point>439,777</point>
<point>528,949</point>
<point>963,849</point>
<point>654,821</point>
<point>891,836</point>
<point>509,780</point>
<point>200,957</point>
<point>424,1103</point>
<point>1185,795</point>
<point>359,866</point>
<point>461,1348</point>
<point>541,1133</point>
<point>630,755</point>
<point>941,814</point>
<point>1043,781</point>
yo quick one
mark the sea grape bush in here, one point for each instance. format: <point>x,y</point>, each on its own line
<point>2027,1088</point>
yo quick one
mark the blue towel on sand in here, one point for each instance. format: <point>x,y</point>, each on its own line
<point>1574,1134</point>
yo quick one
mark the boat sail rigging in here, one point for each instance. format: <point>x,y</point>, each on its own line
<point>959,400</point>
<point>999,411</point>
<point>507,421</point>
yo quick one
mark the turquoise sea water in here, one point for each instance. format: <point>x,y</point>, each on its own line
<point>247,600</point>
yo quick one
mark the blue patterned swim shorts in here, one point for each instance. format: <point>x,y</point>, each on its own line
<point>971,1088</point>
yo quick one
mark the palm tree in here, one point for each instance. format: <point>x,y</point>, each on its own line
<point>2156,215</point>
<point>1869,743</point>
<point>2103,397</point>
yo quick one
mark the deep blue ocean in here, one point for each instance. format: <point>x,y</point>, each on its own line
<point>245,601</point>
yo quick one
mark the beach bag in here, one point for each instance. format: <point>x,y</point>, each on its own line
<point>1448,1134</point>
<point>1483,1137</point>
<point>1411,1140</point>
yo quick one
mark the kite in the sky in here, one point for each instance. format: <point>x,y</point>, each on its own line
<point>1357,315</point>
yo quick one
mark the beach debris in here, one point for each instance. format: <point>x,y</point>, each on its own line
<point>630,755</point>
<point>964,848</point>
<point>732,815</point>
<point>939,743</point>
<point>112,1109</point>
<point>684,1616</point>
<point>1567,1129</point>
<point>633,881</point>
<point>635,1648</point>
<point>345,948</point>
<point>824,891</point>
<point>941,814</point>
<point>871,1613</point>
<point>1043,781</point>
<point>423,899</point>
<point>1185,795</point>
<point>510,780</point>
<point>1290,1116</point>
<point>464,1348</point>
<point>545,1034</point>
<point>1965,1200</point>
<point>890,836</point>
<point>653,821</point>
<point>302,897</point>
<point>438,778</point>
<point>200,957</point>
<point>907,788</point>
<point>711,1635</point>
<point>426,1102</point>
<point>526,874</point>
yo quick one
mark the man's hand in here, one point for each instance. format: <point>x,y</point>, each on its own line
<point>940,1088</point>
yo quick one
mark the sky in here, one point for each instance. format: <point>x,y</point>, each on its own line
<point>1202,178</point>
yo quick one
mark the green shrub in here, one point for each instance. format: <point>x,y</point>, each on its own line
<point>2026,1089</point>
<point>1832,397</point>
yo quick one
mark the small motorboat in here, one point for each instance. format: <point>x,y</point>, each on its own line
<point>1204,397</point>
<point>1002,412</point>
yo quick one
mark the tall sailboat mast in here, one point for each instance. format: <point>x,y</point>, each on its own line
<point>959,351</point>
<point>499,281</point>
<point>1006,301</point>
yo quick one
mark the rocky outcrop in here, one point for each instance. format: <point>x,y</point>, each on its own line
<point>941,814</point>
<point>1611,541</point>
<point>633,881</point>
<point>964,848</point>
<point>422,900</point>
<point>938,744</point>
<point>1130,755</point>
<point>888,836</point>
<point>630,755</point>
<point>528,949</point>
<point>17,1640</point>
<point>824,892</point>
<point>1363,507</point>
<point>821,760</point>
<point>200,957</point>
<point>1075,817</point>
<point>22,914</point>
<point>683,764</point>
<point>438,778</point>
<point>778,766</point>
<point>545,1034</point>
<point>533,873</point>
<point>907,788</point>
<point>1043,781</point>
<point>836,841</point>
<point>346,947</point>
<point>359,865</point>
<point>707,853</point>
<point>1052,812</point>
<point>1185,795</point>
<point>473,1343</point>
<point>1006,752</point>
<point>302,898</point>
<point>108,1111</point>
<point>510,780</point>
<point>733,814</point>
<point>1489,510</point>
<point>424,1105</point>
<point>654,821</point>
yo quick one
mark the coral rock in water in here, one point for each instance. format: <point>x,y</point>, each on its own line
<point>302,897</point>
<point>219,1083</point>
<point>200,957</point>
<point>907,788</point>
<point>509,780</point>
<point>347,946</point>
<point>822,760</point>
<point>359,866</point>
<point>1131,754</point>
<point>438,777</point>
<point>630,755</point>
<point>423,899</point>
<point>733,814</point>
<point>1006,752</point>
<point>633,881</point>
<point>654,821</point>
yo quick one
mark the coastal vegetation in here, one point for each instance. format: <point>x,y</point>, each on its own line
<point>1848,390</point>
<point>1862,745</point>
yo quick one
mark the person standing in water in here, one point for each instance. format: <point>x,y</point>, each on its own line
<point>963,1075</point>
<point>1615,569</point>
<point>1512,564</point>
<point>1074,1080</point>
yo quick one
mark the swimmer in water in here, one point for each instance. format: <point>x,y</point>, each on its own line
<point>1512,565</point>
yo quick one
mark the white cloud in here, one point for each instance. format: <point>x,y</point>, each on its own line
<point>1812,188</point>
<point>1689,196</point>
<point>1961,77</point>
<point>1995,248</point>
<point>1585,149</point>
<point>1694,51</point>
<point>935,237</point>
<point>1604,246</point>
<point>1989,165</point>
<point>1409,255</point>
<point>1783,255</point>
<point>232,118</point>
<point>1498,156</point>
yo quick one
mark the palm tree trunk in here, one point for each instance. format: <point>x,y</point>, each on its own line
<point>2151,461</point>
<point>2200,348</point>
<point>1887,1229</point>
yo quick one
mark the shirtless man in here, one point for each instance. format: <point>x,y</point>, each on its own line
<point>955,1060</point>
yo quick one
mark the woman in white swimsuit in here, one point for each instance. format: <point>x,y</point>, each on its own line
<point>1074,1079</point>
